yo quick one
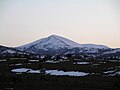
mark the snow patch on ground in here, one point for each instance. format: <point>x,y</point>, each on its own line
<point>68,73</point>
<point>51,61</point>
<point>114,60</point>
<point>112,73</point>
<point>81,63</point>
<point>18,64</point>
<point>34,60</point>
<point>3,60</point>
<point>20,70</point>
<point>107,72</point>
<point>51,72</point>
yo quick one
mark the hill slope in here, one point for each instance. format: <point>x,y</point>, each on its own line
<point>57,44</point>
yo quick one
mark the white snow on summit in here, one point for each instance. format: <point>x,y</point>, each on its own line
<point>58,42</point>
<point>53,41</point>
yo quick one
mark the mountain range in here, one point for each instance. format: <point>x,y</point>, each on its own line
<point>55,44</point>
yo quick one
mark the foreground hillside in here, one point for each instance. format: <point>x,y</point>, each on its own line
<point>22,74</point>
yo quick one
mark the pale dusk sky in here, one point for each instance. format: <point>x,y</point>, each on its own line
<point>83,21</point>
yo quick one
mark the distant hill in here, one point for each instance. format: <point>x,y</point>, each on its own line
<point>55,45</point>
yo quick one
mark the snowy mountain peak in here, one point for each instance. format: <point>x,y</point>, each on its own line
<point>53,35</point>
<point>55,42</point>
<point>66,41</point>
<point>51,42</point>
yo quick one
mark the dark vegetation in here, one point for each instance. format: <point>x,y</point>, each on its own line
<point>96,80</point>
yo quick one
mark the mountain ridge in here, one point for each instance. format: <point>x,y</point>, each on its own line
<point>55,44</point>
<point>55,39</point>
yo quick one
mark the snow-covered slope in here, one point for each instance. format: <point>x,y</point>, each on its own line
<point>117,50</point>
<point>9,50</point>
<point>95,46</point>
<point>26,46</point>
<point>55,42</point>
